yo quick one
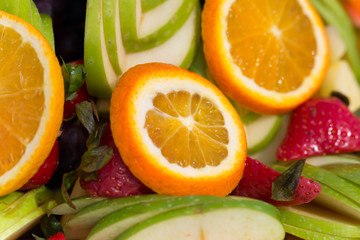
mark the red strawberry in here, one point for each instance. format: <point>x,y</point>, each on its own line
<point>45,171</point>
<point>320,126</point>
<point>257,183</point>
<point>115,178</point>
<point>69,106</point>
<point>58,236</point>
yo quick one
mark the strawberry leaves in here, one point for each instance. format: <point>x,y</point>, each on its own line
<point>283,188</point>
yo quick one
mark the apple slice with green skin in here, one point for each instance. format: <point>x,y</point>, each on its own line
<point>319,219</point>
<point>79,203</point>
<point>330,197</point>
<point>228,219</point>
<point>48,31</point>
<point>117,222</point>
<point>310,235</point>
<point>105,55</point>
<point>346,166</point>
<point>23,206</point>
<point>80,224</point>
<point>27,222</point>
<point>8,199</point>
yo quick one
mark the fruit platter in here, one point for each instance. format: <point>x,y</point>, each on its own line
<point>180,119</point>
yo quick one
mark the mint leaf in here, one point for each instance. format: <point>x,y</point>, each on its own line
<point>85,114</point>
<point>283,188</point>
<point>96,158</point>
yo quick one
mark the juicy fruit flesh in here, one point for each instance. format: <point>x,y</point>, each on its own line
<point>278,43</point>
<point>21,79</point>
<point>188,128</point>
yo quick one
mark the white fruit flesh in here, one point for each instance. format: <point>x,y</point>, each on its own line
<point>319,219</point>
<point>224,224</point>
<point>341,78</point>
<point>337,45</point>
<point>261,132</point>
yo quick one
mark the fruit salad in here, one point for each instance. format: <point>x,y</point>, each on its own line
<point>180,119</point>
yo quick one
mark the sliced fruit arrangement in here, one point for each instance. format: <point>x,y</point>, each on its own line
<point>23,211</point>
<point>198,217</point>
<point>32,94</point>
<point>27,10</point>
<point>267,56</point>
<point>179,127</point>
<point>122,34</point>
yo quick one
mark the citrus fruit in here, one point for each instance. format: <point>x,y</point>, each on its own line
<point>31,101</point>
<point>269,56</point>
<point>176,131</point>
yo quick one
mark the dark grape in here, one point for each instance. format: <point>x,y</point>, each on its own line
<point>72,145</point>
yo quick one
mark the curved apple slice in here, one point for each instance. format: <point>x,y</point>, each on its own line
<point>117,222</point>
<point>232,219</point>
<point>106,57</point>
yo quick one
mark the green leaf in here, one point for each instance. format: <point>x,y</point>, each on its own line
<point>85,114</point>
<point>96,158</point>
<point>94,139</point>
<point>76,78</point>
<point>283,188</point>
<point>50,225</point>
<point>67,183</point>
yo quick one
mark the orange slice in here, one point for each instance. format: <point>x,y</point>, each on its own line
<point>31,101</point>
<point>177,132</point>
<point>269,56</point>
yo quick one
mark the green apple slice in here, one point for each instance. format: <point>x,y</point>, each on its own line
<point>27,222</point>
<point>147,5</point>
<point>48,31</point>
<point>117,222</point>
<point>105,55</point>
<point>331,198</point>
<point>228,219</point>
<point>310,235</point>
<point>79,203</point>
<point>88,216</point>
<point>146,30</point>
<point>23,206</point>
<point>346,166</point>
<point>8,199</point>
<point>319,219</point>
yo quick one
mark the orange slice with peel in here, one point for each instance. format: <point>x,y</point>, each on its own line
<point>269,56</point>
<point>176,131</point>
<point>31,100</point>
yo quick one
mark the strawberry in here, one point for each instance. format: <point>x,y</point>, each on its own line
<point>320,126</point>
<point>70,105</point>
<point>75,87</point>
<point>115,178</point>
<point>257,183</point>
<point>58,236</point>
<point>45,171</point>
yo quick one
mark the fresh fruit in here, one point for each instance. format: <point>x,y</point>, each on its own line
<point>79,203</point>
<point>177,132</point>
<point>228,219</point>
<point>58,236</point>
<point>267,56</point>
<point>336,43</point>
<point>25,212</point>
<point>79,225</point>
<point>319,219</point>
<point>32,95</point>
<point>8,199</point>
<point>118,221</point>
<point>340,78</point>
<point>46,170</point>
<point>69,105</point>
<point>258,180</point>
<point>352,7</point>
<point>334,14</point>
<point>320,126</point>
<point>121,35</point>
<point>114,179</point>
<point>336,193</point>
